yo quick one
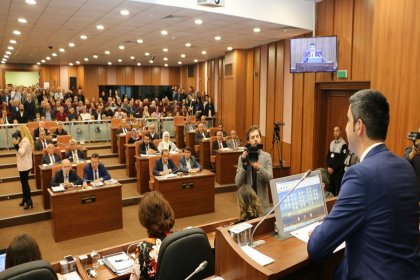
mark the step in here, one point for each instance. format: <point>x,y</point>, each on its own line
<point>14,178</point>
<point>18,195</point>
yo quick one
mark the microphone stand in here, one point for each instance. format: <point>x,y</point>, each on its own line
<point>307,173</point>
<point>200,267</point>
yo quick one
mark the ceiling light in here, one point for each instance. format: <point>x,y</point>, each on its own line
<point>165,59</point>
<point>119,60</point>
<point>109,63</point>
<point>138,63</point>
<point>229,48</point>
<point>165,50</point>
<point>188,45</point>
<point>54,54</point>
<point>198,21</point>
<point>22,20</point>
<point>203,52</point>
<point>124,12</point>
<point>6,56</point>
<point>95,56</point>
<point>164,32</point>
<point>43,61</point>
<point>30,2</point>
<point>140,41</point>
<point>166,64</point>
<point>121,47</point>
<point>70,64</point>
<point>71,45</point>
<point>12,41</point>
<point>17,32</point>
<point>38,63</point>
<point>100,27</point>
<point>48,58</point>
<point>10,48</point>
<point>217,38</point>
<point>146,54</point>
<point>61,50</point>
<point>132,57</point>
<point>83,37</point>
<point>257,29</point>
<point>77,62</point>
<point>179,62</point>
<point>183,55</point>
<point>86,59</point>
<point>151,61</point>
<point>107,52</point>
<point>196,60</point>
<point>8,52</point>
<point>3,62</point>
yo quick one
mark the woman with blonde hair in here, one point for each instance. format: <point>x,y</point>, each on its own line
<point>249,204</point>
<point>167,143</point>
<point>24,144</point>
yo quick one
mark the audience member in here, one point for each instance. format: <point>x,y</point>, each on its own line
<point>219,143</point>
<point>166,143</point>
<point>74,154</point>
<point>66,176</point>
<point>94,172</point>
<point>135,136</point>
<point>41,127</point>
<point>201,133</point>
<point>60,130</point>
<point>50,157</point>
<point>220,128</point>
<point>22,249</point>
<point>188,163</point>
<point>164,165</point>
<point>147,147</point>
<point>42,141</point>
<point>152,131</point>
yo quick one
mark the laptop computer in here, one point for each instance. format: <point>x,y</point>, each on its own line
<point>2,259</point>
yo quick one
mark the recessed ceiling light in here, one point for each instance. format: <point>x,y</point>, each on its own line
<point>166,64</point>
<point>86,59</point>
<point>30,2</point>
<point>164,32</point>
<point>229,48</point>
<point>198,21</point>
<point>77,62</point>
<point>257,29</point>
<point>3,62</point>
<point>151,61</point>
<point>48,58</point>
<point>10,48</point>
<point>12,41</point>
<point>109,63</point>
<point>119,60</point>
<point>138,63</point>
<point>70,64</point>
<point>17,32</point>
<point>179,62</point>
<point>22,20</point>
<point>107,52</point>
<point>38,63</point>
<point>132,57</point>
<point>43,61</point>
<point>8,52</point>
<point>71,45</point>
<point>183,55</point>
<point>95,56</point>
<point>83,37</point>
<point>140,41</point>
<point>195,60</point>
<point>124,12</point>
<point>6,56</point>
<point>217,38</point>
<point>188,45</point>
<point>203,52</point>
<point>121,47</point>
<point>146,54</point>
<point>61,50</point>
<point>165,59</point>
<point>100,27</point>
<point>165,50</point>
<point>54,54</point>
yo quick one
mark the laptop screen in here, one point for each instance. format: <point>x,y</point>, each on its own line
<point>305,205</point>
<point>2,259</point>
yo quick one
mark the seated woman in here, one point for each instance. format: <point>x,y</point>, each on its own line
<point>167,143</point>
<point>157,216</point>
<point>249,204</point>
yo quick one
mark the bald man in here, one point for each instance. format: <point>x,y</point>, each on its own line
<point>66,176</point>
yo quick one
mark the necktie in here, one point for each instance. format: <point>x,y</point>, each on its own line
<point>97,174</point>
<point>45,144</point>
<point>75,158</point>
<point>66,179</point>
<point>52,159</point>
<point>220,145</point>
<point>234,144</point>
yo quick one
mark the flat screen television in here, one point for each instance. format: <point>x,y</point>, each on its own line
<point>316,54</point>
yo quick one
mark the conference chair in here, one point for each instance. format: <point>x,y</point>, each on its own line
<point>182,252</point>
<point>32,126</point>
<point>63,140</point>
<point>34,270</point>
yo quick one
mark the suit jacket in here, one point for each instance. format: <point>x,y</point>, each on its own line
<point>21,118</point>
<point>159,166</point>
<point>143,148</point>
<point>88,172</point>
<point>377,214</point>
<point>154,136</point>
<point>46,159</point>
<point>63,132</point>
<point>36,132</point>
<point>193,162</point>
<point>230,143</point>
<point>207,108</point>
<point>216,146</point>
<point>199,136</point>
<point>59,178</point>
<point>264,175</point>
<point>39,146</point>
<point>80,155</point>
<point>30,109</point>
<point>24,155</point>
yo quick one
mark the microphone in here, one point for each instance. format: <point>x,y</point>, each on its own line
<point>199,268</point>
<point>306,175</point>
<point>176,170</point>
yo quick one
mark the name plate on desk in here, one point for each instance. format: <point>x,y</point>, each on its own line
<point>187,185</point>
<point>88,199</point>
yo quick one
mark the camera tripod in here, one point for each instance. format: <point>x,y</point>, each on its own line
<point>276,144</point>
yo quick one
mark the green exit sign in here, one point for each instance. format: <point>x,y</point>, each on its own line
<point>342,74</point>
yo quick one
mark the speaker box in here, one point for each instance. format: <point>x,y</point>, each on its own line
<point>73,83</point>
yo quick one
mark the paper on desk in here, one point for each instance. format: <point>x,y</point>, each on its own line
<point>59,188</point>
<point>257,256</point>
<point>72,276</point>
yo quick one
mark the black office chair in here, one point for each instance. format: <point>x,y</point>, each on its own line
<point>182,252</point>
<point>34,270</point>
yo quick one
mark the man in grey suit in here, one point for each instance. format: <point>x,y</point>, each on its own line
<point>256,174</point>
<point>234,142</point>
<point>188,163</point>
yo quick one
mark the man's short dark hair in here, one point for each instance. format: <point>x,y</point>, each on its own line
<point>94,155</point>
<point>372,108</point>
<point>251,129</point>
<point>147,135</point>
<point>187,149</point>
<point>164,150</point>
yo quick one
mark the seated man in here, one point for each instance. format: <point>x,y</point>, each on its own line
<point>164,165</point>
<point>66,176</point>
<point>201,133</point>
<point>123,127</point>
<point>134,136</point>
<point>41,126</point>
<point>152,132</point>
<point>95,172</point>
<point>42,141</point>
<point>60,130</point>
<point>219,143</point>
<point>50,157</point>
<point>235,142</point>
<point>188,126</point>
<point>189,163</point>
<point>220,128</point>
<point>147,147</point>
<point>75,154</point>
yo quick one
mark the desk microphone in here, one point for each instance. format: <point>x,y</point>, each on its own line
<point>199,268</point>
<point>176,170</point>
<point>306,175</point>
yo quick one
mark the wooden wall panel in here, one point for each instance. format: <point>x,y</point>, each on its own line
<point>91,82</point>
<point>297,117</point>
<point>102,75</point>
<point>155,75</point>
<point>138,76</point>
<point>271,98</point>
<point>240,97</point>
<point>256,90</point>
<point>249,91</point>
<point>174,76</point>
<point>129,75</point>
<point>147,75</point>
<point>111,75</point>
<point>279,94</point>
<point>308,133</point>
<point>120,70</point>
<point>202,76</point>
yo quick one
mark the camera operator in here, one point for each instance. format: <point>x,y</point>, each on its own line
<point>23,142</point>
<point>255,167</point>
<point>412,154</point>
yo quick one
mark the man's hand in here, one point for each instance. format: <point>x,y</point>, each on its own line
<point>97,181</point>
<point>151,151</point>
<point>414,152</point>
<point>85,184</point>
<point>244,155</point>
<point>256,165</point>
<point>330,170</point>
<point>15,141</point>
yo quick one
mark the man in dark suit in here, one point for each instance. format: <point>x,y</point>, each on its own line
<point>41,126</point>
<point>95,172</point>
<point>201,133</point>
<point>21,116</point>
<point>234,142</point>
<point>189,163</point>
<point>7,119</point>
<point>147,147</point>
<point>220,128</point>
<point>152,132</point>
<point>30,108</point>
<point>164,165</point>
<point>66,176</point>
<point>75,154</point>
<point>50,157</point>
<point>377,211</point>
<point>219,143</point>
<point>42,141</point>
<point>60,130</point>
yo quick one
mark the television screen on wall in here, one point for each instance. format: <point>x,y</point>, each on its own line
<point>316,54</point>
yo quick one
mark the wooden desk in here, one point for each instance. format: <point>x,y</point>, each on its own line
<point>71,218</point>
<point>205,154</point>
<point>179,136</point>
<point>37,158</point>
<point>121,148</point>
<point>142,174</point>
<point>114,147</point>
<point>83,149</point>
<point>188,195</point>
<point>225,166</point>
<point>130,166</point>
<point>190,140</point>
<point>281,172</point>
<point>46,177</point>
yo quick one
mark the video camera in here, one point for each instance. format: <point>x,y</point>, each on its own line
<point>253,152</point>
<point>414,136</point>
<point>276,129</point>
